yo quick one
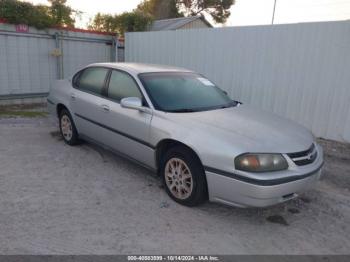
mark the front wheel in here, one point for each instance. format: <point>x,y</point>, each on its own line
<point>67,128</point>
<point>184,177</point>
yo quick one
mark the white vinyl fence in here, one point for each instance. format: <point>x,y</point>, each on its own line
<point>31,59</point>
<point>300,71</point>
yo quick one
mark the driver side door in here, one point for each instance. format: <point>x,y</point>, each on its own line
<point>129,129</point>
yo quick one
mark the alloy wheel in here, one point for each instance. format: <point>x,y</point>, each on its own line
<point>66,128</point>
<point>178,178</point>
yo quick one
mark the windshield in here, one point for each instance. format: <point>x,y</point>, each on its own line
<point>183,92</point>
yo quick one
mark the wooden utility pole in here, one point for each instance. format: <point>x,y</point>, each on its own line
<point>273,14</point>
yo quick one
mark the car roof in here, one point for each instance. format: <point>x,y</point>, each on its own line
<point>137,68</point>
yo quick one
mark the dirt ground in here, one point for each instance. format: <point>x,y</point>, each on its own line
<point>57,199</point>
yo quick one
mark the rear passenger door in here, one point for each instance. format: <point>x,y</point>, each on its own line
<point>129,128</point>
<point>88,101</point>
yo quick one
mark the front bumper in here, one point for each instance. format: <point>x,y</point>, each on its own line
<point>237,193</point>
<point>231,189</point>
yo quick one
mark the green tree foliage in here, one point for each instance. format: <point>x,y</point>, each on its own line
<point>61,13</point>
<point>39,16</point>
<point>133,22</point>
<point>160,9</point>
<point>219,10</point>
<point>16,12</point>
<point>126,22</point>
<point>104,23</point>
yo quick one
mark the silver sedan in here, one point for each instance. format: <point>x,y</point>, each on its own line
<point>178,123</point>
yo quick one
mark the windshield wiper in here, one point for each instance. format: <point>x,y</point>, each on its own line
<point>230,104</point>
<point>182,110</point>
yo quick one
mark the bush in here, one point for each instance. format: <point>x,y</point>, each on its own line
<point>39,16</point>
<point>126,22</point>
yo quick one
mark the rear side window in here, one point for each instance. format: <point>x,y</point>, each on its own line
<point>92,80</point>
<point>121,85</point>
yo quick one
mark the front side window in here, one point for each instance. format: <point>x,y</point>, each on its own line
<point>121,85</point>
<point>183,92</point>
<point>92,80</point>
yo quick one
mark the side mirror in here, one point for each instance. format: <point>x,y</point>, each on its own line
<point>134,103</point>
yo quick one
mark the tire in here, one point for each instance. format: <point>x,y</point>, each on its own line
<point>188,186</point>
<point>67,128</point>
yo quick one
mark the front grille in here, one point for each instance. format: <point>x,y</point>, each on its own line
<point>304,157</point>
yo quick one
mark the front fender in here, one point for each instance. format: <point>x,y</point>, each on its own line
<point>211,150</point>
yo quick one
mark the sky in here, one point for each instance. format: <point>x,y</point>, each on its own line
<point>244,12</point>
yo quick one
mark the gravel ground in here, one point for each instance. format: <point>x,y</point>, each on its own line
<point>57,199</point>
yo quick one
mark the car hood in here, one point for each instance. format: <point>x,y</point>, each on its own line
<point>251,129</point>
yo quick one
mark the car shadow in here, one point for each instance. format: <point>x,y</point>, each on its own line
<point>279,214</point>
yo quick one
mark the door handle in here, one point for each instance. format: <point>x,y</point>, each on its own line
<point>105,108</point>
<point>72,96</point>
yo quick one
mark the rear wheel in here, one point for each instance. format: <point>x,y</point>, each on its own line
<point>183,176</point>
<point>67,128</point>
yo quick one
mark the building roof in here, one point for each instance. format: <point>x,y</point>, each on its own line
<point>175,23</point>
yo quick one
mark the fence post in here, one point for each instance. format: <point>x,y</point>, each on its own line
<point>58,59</point>
<point>116,48</point>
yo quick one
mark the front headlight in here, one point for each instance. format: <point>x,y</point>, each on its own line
<point>260,162</point>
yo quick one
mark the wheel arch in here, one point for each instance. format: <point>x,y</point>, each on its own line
<point>59,108</point>
<point>168,143</point>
